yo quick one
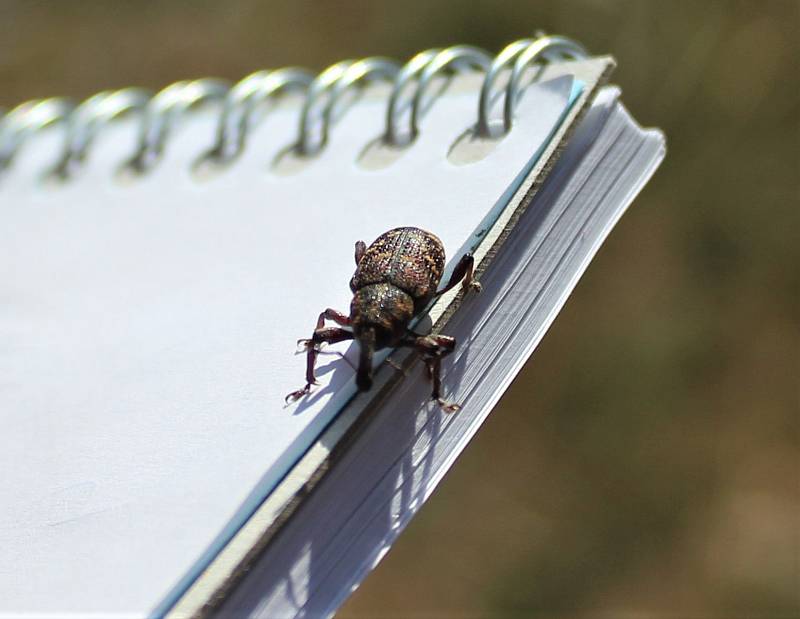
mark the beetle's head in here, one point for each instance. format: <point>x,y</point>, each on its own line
<point>379,315</point>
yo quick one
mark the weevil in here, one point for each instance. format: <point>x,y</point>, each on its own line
<point>395,279</point>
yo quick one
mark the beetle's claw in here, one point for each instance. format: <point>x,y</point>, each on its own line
<point>447,407</point>
<point>296,395</point>
<point>474,286</point>
<point>304,345</point>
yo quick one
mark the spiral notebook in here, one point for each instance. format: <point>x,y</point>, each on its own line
<point>162,254</point>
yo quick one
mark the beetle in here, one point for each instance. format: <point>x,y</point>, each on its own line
<point>395,279</point>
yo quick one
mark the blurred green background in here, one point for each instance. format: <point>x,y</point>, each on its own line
<point>645,463</point>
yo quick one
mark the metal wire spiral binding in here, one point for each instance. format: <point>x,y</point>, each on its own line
<point>506,56</point>
<point>522,54</point>
<point>160,112</point>
<point>408,74</point>
<point>543,48</point>
<point>88,118</point>
<point>163,110</point>
<point>327,89</point>
<point>27,118</point>
<point>454,58</point>
<point>421,70</point>
<point>240,105</point>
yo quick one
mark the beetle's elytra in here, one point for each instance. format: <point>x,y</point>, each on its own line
<point>395,278</point>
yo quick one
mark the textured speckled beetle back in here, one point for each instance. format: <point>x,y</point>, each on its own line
<point>409,258</point>
<point>395,278</point>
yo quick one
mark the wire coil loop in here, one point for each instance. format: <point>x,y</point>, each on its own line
<point>421,71</point>
<point>408,75</point>
<point>86,121</point>
<point>26,119</point>
<point>163,111</point>
<point>520,55</point>
<point>500,63</point>
<point>327,90</point>
<point>452,59</point>
<point>241,103</point>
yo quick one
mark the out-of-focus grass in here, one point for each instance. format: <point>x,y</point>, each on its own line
<point>646,460</point>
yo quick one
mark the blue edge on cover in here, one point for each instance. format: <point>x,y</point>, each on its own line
<point>259,495</point>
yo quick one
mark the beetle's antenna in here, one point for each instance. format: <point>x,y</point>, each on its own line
<point>366,342</point>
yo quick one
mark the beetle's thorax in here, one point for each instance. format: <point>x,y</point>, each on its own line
<point>384,308</point>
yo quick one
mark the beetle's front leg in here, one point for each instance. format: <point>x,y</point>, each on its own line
<point>433,348</point>
<point>463,271</point>
<point>325,335</point>
<point>331,314</point>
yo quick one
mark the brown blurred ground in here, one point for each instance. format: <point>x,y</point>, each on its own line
<point>646,461</point>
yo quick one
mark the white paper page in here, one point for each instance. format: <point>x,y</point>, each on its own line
<point>147,331</point>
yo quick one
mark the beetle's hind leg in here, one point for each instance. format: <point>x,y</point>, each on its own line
<point>324,335</point>
<point>463,273</point>
<point>433,349</point>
